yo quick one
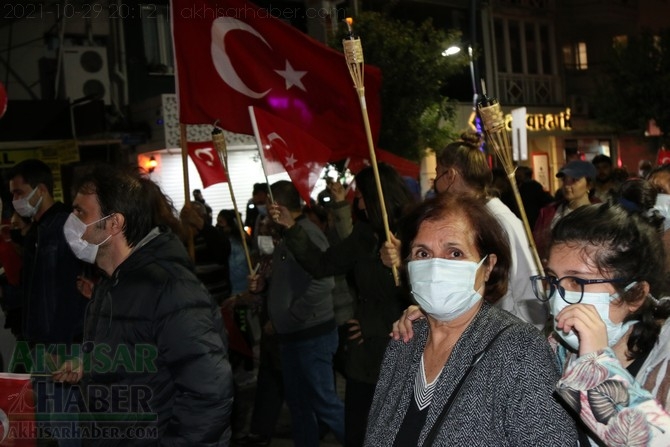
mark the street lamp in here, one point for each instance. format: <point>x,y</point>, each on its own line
<point>453,50</point>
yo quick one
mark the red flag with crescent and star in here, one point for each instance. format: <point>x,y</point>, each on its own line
<point>302,156</point>
<point>232,54</point>
<point>206,160</point>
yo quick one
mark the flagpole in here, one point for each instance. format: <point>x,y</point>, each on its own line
<point>353,52</point>
<point>219,141</point>
<point>259,143</point>
<point>183,138</point>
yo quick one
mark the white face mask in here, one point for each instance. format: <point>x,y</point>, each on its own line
<point>663,207</point>
<point>601,301</point>
<point>266,245</point>
<point>23,206</point>
<point>74,229</point>
<point>444,288</point>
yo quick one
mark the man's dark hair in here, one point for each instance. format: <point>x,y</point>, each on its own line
<point>120,190</point>
<point>601,158</point>
<point>260,187</point>
<point>285,193</point>
<point>33,172</point>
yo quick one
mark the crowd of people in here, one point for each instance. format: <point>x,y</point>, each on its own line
<point>133,318</point>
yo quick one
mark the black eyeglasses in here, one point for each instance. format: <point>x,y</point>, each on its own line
<point>544,287</point>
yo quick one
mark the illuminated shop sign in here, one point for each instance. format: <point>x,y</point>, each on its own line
<point>544,121</point>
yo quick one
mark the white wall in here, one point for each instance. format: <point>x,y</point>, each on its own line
<point>245,170</point>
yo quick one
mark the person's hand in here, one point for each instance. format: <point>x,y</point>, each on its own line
<point>281,215</point>
<point>268,328</point>
<point>354,331</point>
<point>256,283</point>
<point>337,191</point>
<point>390,252</point>
<point>402,329</point>
<point>70,371</point>
<point>85,286</point>
<point>587,324</point>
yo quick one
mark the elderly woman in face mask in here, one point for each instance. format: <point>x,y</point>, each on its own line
<point>472,374</point>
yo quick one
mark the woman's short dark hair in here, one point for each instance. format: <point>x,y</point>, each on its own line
<point>622,245</point>
<point>490,237</point>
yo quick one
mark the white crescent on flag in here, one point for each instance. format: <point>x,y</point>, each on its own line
<point>275,136</point>
<point>224,66</point>
<point>208,152</point>
<point>220,27</point>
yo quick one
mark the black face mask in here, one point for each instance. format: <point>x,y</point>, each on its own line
<point>16,236</point>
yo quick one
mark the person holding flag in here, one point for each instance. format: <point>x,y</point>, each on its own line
<point>301,312</point>
<point>379,302</point>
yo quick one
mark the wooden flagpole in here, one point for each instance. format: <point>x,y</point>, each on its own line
<point>183,139</point>
<point>353,52</point>
<point>219,141</point>
<point>259,143</point>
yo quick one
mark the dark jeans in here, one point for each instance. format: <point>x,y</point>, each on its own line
<point>309,384</point>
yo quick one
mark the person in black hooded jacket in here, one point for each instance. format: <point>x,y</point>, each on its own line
<point>154,363</point>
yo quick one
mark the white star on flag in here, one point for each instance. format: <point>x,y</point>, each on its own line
<point>292,76</point>
<point>290,161</point>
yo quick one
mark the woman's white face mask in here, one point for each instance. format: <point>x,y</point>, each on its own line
<point>444,288</point>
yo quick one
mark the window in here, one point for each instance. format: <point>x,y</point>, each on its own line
<point>574,56</point>
<point>157,39</point>
<point>523,47</point>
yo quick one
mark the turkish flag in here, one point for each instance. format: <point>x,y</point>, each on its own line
<point>231,54</point>
<point>17,411</point>
<point>207,162</point>
<point>663,156</point>
<point>302,155</point>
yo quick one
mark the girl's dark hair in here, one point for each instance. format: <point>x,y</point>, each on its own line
<point>622,245</point>
<point>397,196</point>
<point>465,156</point>
<point>490,237</point>
<point>638,196</point>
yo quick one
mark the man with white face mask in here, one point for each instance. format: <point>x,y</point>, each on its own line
<point>155,349</point>
<point>53,308</point>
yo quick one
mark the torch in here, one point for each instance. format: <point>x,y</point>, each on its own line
<point>493,122</point>
<point>353,53</point>
<point>219,141</point>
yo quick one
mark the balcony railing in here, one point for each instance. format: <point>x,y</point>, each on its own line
<point>529,89</point>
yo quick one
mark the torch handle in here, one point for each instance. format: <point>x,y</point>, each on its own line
<point>219,141</point>
<point>375,170</point>
<point>526,225</point>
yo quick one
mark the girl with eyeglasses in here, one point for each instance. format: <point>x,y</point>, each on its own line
<point>611,334</point>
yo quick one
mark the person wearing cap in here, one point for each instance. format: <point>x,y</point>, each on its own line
<point>578,177</point>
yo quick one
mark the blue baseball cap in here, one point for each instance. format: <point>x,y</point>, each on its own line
<point>578,169</point>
